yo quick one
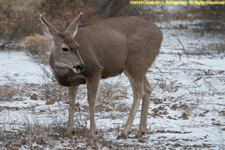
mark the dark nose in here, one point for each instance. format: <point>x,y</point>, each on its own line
<point>80,67</point>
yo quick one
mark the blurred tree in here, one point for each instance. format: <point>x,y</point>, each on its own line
<point>8,24</point>
<point>18,19</point>
<point>115,8</point>
<point>62,12</point>
<point>213,16</point>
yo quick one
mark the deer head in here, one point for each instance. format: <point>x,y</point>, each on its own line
<point>65,51</point>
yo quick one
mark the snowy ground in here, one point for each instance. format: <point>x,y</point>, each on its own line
<point>187,109</point>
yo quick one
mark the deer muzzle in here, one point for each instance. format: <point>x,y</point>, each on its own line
<point>79,68</point>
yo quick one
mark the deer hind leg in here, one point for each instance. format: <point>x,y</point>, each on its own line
<point>72,99</point>
<point>138,93</point>
<point>145,106</point>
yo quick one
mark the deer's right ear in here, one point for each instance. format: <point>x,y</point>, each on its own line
<point>48,29</point>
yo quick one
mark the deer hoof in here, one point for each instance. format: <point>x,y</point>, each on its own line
<point>122,136</point>
<point>139,134</point>
<point>68,134</point>
<point>92,135</point>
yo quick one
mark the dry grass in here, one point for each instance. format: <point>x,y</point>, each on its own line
<point>208,49</point>
<point>48,90</point>
<point>33,133</point>
<point>165,86</point>
<point>111,91</point>
<point>217,47</point>
<point>37,47</point>
<point>108,94</point>
<point>37,135</point>
<point>8,91</point>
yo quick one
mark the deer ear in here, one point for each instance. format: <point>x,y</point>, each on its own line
<point>48,29</point>
<point>73,27</point>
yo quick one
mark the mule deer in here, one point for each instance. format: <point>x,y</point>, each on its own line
<point>106,48</point>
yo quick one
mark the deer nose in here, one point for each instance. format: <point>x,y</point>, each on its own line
<point>80,67</point>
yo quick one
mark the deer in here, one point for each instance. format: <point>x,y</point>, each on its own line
<point>85,54</point>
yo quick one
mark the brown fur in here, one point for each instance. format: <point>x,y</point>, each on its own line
<point>108,48</point>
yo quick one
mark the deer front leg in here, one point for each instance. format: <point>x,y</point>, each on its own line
<point>72,99</point>
<point>92,87</point>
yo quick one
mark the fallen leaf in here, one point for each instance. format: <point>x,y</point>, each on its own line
<point>184,116</point>
<point>34,97</point>
<point>50,102</point>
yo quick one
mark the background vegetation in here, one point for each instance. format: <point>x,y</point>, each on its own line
<point>21,18</point>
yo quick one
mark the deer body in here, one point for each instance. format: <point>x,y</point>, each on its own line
<point>106,48</point>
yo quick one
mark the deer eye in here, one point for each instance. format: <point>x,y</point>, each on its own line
<point>65,49</point>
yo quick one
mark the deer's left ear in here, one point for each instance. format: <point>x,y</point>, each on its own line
<point>73,27</point>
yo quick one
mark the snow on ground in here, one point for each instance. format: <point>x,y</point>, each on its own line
<point>187,108</point>
<point>17,66</point>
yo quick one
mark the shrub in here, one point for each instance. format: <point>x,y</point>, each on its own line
<point>170,87</point>
<point>18,19</point>
<point>38,47</point>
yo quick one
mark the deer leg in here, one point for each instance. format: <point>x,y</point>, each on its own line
<point>138,91</point>
<point>145,106</point>
<point>92,86</point>
<point>72,99</point>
